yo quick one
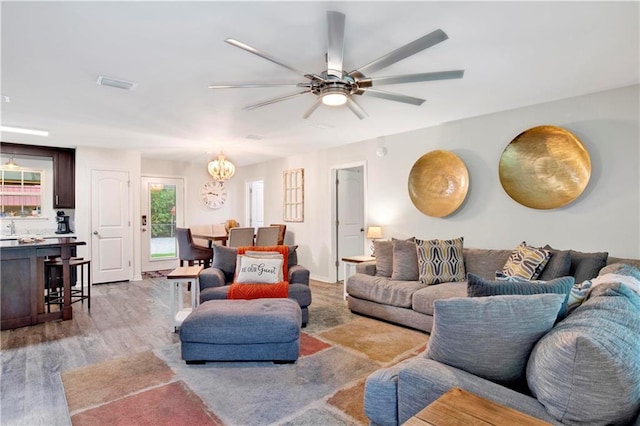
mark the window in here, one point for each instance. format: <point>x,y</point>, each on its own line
<point>294,195</point>
<point>21,193</point>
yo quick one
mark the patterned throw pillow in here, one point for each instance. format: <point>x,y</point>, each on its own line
<point>440,261</point>
<point>526,262</point>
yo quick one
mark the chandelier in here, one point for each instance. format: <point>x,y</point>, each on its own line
<point>221,169</point>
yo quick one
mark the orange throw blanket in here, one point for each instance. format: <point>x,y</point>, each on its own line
<point>262,291</point>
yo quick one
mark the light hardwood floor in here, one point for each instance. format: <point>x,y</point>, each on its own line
<point>125,318</point>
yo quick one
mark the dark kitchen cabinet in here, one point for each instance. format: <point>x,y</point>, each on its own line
<point>64,170</point>
<point>64,179</point>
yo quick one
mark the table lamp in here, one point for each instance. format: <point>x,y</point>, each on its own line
<point>374,233</point>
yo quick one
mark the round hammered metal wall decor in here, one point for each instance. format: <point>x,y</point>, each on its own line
<point>545,167</point>
<point>438,183</point>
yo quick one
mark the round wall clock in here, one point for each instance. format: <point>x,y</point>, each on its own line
<point>213,194</point>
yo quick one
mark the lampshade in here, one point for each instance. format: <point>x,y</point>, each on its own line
<point>374,232</point>
<point>221,168</point>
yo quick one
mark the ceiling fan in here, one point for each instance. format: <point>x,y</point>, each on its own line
<point>338,87</point>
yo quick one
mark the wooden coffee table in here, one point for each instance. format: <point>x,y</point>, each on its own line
<point>459,407</point>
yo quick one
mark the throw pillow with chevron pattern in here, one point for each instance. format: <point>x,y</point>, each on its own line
<point>440,261</point>
<point>526,262</point>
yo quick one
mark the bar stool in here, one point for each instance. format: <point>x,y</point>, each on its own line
<point>77,294</point>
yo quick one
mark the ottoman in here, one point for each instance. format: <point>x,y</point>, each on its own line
<point>242,330</point>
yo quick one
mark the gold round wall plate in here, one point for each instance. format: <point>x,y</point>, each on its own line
<point>438,183</point>
<point>545,167</point>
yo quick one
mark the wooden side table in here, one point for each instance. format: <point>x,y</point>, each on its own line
<point>350,263</point>
<point>459,407</point>
<point>176,278</point>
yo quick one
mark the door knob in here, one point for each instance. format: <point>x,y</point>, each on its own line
<point>95,232</point>
<point>144,229</point>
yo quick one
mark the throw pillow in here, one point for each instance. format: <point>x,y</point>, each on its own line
<point>384,257</point>
<point>491,337</point>
<point>405,260</point>
<point>258,270</point>
<point>479,287</point>
<point>440,261</point>
<point>587,370</point>
<point>293,256</point>
<point>559,265</point>
<point>526,262</point>
<point>585,266</point>
<point>264,255</point>
<point>224,258</point>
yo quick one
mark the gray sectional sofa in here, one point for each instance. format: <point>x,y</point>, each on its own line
<point>411,303</point>
<point>517,350</point>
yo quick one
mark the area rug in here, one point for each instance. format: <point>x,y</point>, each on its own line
<point>156,274</point>
<point>325,386</point>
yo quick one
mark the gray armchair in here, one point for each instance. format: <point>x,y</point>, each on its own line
<point>189,251</point>
<point>215,281</point>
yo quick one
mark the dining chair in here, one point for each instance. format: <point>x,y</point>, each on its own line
<point>240,237</point>
<point>230,223</point>
<point>189,251</point>
<point>267,236</point>
<point>282,233</point>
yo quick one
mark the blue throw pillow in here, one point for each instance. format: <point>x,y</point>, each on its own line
<point>479,287</point>
<point>491,337</point>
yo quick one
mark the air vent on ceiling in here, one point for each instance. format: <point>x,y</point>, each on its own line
<point>117,83</point>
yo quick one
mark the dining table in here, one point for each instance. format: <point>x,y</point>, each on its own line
<point>212,237</point>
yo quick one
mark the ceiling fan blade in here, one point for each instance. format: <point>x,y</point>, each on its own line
<point>357,109</point>
<point>263,55</point>
<point>393,96</point>
<point>274,100</point>
<point>335,43</point>
<point>313,107</point>
<point>403,52</point>
<point>410,78</point>
<point>255,85</point>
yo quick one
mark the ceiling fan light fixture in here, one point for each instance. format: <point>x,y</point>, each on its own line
<point>221,169</point>
<point>334,99</point>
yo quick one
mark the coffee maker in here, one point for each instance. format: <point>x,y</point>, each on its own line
<point>63,223</point>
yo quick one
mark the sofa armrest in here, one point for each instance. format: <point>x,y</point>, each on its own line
<point>211,277</point>
<point>368,268</point>
<point>424,380</point>
<point>298,274</point>
<point>381,396</point>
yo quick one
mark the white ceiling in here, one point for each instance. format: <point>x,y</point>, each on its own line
<point>514,54</point>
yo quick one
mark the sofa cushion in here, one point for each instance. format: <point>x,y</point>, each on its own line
<point>587,369</point>
<point>526,262</point>
<point>224,258</point>
<point>384,257</point>
<point>491,337</point>
<point>479,287</point>
<point>405,260</point>
<point>559,265</point>
<point>382,290</point>
<point>423,299</point>
<point>485,262</point>
<point>440,261</point>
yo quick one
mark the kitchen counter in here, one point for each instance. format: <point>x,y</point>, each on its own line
<point>22,280</point>
<point>31,235</point>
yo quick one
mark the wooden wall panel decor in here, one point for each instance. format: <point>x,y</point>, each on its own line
<point>293,206</point>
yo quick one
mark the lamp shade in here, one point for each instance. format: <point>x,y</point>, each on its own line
<point>221,169</point>
<point>374,232</point>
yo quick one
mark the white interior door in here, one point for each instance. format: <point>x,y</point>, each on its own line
<point>255,189</point>
<point>349,214</point>
<point>111,244</point>
<point>162,210</point>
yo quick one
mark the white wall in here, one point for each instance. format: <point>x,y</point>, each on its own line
<point>88,159</point>
<point>605,217</point>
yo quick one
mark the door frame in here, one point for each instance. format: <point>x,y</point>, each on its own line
<point>130,234</point>
<point>248,188</point>
<point>180,219</point>
<point>333,257</point>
